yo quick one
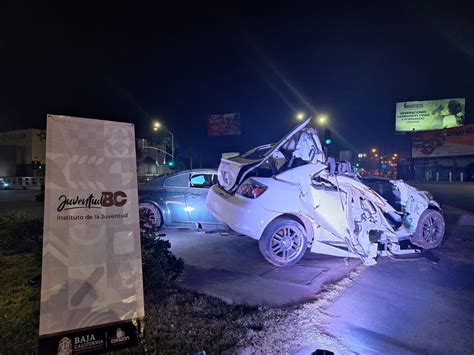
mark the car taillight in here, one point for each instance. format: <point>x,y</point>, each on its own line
<point>251,189</point>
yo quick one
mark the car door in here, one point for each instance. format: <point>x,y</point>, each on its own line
<point>176,188</point>
<point>199,184</point>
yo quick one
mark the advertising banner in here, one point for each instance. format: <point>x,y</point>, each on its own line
<point>429,115</point>
<point>445,143</point>
<point>224,125</point>
<point>91,286</point>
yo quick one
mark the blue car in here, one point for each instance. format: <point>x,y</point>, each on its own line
<point>178,200</point>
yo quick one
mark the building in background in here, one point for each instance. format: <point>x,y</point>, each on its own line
<point>22,157</point>
<point>22,152</point>
<point>8,160</point>
<point>444,155</point>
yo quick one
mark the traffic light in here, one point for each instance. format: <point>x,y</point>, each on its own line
<point>171,164</point>
<point>36,164</point>
<point>327,136</point>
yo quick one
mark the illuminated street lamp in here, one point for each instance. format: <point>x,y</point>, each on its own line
<point>322,119</point>
<point>156,126</point>
<point>374,150</point>
<point>300,116</point>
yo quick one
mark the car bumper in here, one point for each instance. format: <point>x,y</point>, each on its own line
<point>243,215</point>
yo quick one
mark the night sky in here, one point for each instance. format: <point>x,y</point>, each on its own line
<point>135,63</point>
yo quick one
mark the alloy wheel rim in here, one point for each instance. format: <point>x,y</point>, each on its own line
<point>152,217</point>
<point>432,229</point>
<point>286,243</point>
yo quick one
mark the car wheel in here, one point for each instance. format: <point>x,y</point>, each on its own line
<point>429,232</point>
<point>283,243</point>
<point>152,213</point>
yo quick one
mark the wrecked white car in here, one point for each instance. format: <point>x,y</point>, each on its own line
<point>290,198</point>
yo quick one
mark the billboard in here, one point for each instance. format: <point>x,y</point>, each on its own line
<point>91,286</point>
<point>224,125</point>
<point>429,115</point>
<point>444,143</point>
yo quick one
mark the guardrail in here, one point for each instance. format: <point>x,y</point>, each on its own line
<point>24,182</point>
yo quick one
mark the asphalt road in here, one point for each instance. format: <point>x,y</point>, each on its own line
<point>424,305</point>
<point>420,306</point>
<point>231,267</point>
<point>460,195</point>
<point>412,307</point>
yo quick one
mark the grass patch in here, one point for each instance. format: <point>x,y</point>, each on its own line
<point>19,304</point>
<point>177,321</point>
<point>184,322</point>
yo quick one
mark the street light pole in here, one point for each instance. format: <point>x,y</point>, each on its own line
<point>157,149</point>
<point>172,142</point>
<point>158,126</point>
<point>172,146</point>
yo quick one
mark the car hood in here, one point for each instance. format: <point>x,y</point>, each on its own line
<point>232,171</point>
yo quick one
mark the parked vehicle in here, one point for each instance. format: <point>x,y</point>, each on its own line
<point>290,198</point>
<point>177,200</point>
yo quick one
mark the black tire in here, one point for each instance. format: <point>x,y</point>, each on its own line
<point>152,212</point>
<point>429,232</point>
<point>284,242</point>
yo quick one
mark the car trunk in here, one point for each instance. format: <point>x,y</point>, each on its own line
<point>233,171</point>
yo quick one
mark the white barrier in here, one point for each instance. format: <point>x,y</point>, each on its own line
<point>25,182</point>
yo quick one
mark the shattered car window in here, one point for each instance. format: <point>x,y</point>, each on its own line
<point>258,153</point>
<point>299,150</point>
